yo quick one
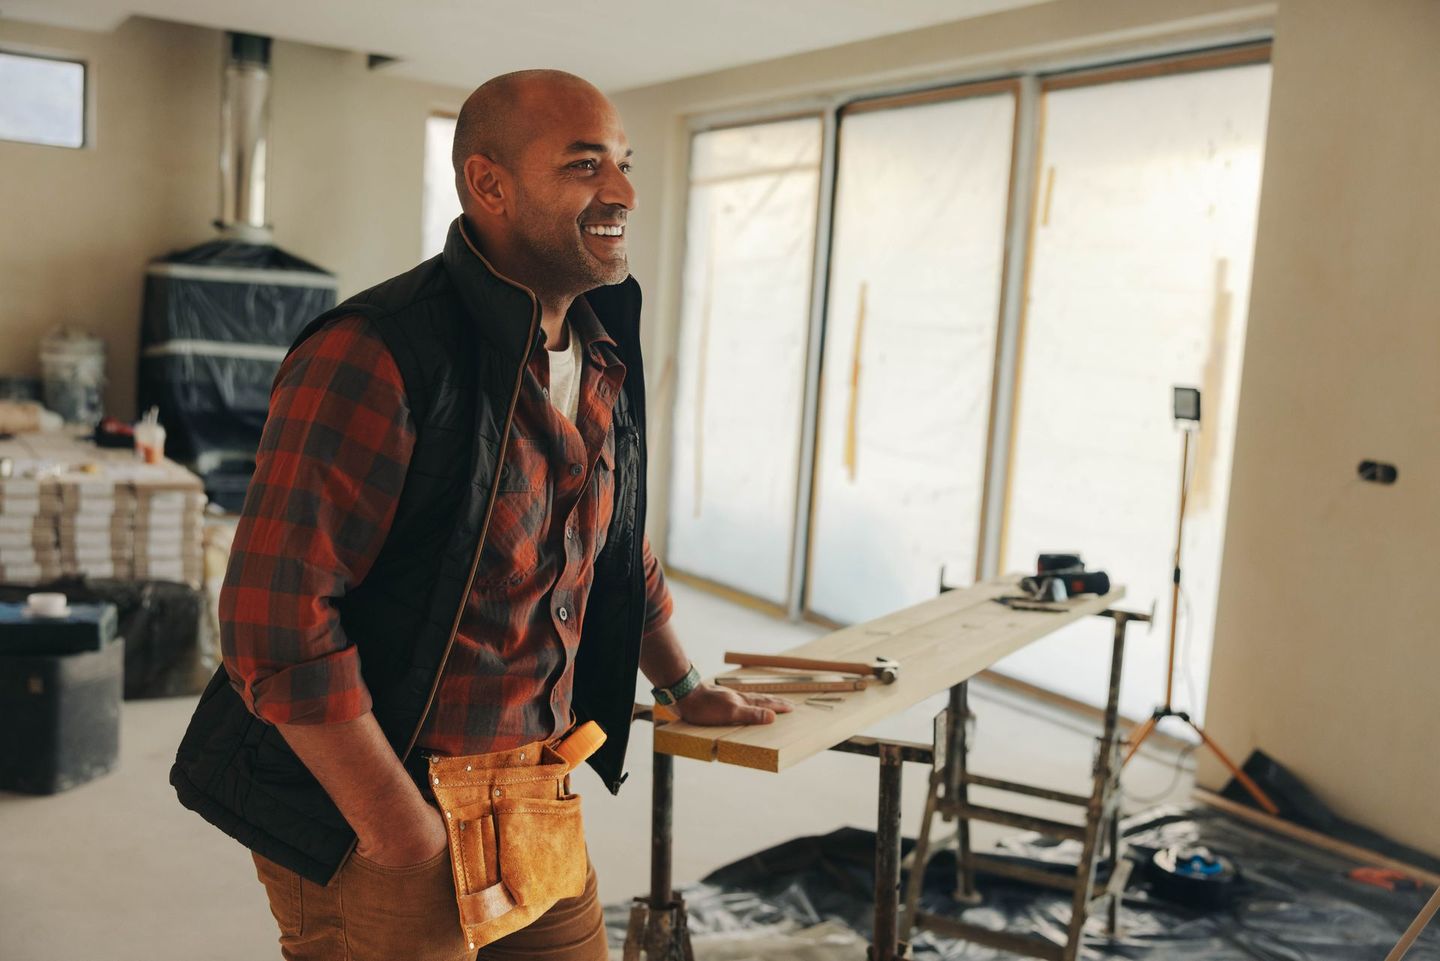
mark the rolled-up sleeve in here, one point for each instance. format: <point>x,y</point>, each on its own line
<point>328,476</point>
<point>658,605</point>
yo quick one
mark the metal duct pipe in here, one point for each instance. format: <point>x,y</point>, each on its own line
<point>245,140</point>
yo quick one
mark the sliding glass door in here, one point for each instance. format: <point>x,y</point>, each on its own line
<point>1143,229</point>
<point>970,409</point>
<point>917,259</point>
<point>744,328</point>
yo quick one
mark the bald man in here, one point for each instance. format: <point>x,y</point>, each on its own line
<point>440,590</point>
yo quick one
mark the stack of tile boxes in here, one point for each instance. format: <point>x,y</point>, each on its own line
<point>29,550</point>
<point>101,514</point>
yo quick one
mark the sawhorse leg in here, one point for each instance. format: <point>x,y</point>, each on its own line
<point>658,929</point>
<point>957,789</point>
<point>1102,814</point>
<point>949,797</point>
<point>948,787</point>
<point>886,944</point>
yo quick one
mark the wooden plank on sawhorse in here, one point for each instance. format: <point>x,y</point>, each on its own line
<point>938,644</point>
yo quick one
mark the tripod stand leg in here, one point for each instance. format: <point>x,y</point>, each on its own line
<point>1246,782</point>
<point>1416,926</point>
<point>1137,738</point>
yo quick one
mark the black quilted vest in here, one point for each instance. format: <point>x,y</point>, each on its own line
<point>460,336</point>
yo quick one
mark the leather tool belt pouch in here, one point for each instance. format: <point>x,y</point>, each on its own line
<point>517,844</point>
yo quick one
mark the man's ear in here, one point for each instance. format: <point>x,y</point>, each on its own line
<point>484,182</point>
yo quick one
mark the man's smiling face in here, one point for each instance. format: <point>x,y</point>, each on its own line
<point>573,194</point>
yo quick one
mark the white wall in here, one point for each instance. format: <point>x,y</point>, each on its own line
<point>1326,654</point>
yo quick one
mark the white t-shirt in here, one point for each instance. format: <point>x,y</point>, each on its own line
<point>565,378</point>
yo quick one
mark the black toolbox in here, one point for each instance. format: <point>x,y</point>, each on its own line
<point>61,681</point>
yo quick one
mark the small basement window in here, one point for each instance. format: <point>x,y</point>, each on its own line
<point>42,100</point>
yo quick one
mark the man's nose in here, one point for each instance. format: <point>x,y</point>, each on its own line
<point>617,190</point>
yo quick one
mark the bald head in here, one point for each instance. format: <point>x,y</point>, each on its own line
<point>542,167</point>
<point>504,114</point>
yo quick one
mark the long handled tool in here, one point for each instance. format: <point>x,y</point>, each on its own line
<point>786,684</point>
<point>882,668</point>
<point>1416,926</point>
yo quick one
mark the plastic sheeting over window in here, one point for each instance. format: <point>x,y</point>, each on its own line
<point>743,332</point>
<point>915,278</point>
<point>1139,280</point>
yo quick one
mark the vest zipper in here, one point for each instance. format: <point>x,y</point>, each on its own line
<point>489,510</point>
<point>484,525</point>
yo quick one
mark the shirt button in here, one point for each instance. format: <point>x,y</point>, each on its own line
<point>546,392</point>
<point>569,533</point>
<point>564,614</point>
<point>576,470</point>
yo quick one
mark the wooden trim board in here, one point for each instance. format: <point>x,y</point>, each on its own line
<point>1240,56</point>
<point>938,643</point>
<point>983,88</point>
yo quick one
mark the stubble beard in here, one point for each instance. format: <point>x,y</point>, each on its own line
<point>564,264</point>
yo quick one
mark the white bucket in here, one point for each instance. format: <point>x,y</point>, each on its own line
<point>72,368</point>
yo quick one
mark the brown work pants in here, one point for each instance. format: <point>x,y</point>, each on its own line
<point>369,912</point>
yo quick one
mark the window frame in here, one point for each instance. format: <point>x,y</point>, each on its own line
<point>814,321</point>
<point>436,113</point>
<point>87,136</point>
<point>1029,85</point>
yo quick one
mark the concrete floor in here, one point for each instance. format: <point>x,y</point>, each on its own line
<point>117,869</point>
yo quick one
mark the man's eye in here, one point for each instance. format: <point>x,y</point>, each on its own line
<point>625,168</point>
<point>585,164</point>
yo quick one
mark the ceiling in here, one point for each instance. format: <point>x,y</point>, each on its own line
<point>618,45</point>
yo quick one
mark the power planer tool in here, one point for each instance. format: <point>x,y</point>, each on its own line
<point>1059,577</point>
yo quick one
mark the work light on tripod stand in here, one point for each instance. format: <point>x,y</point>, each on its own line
<point>1187,418</point>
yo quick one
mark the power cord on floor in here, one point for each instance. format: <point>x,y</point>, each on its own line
<point>1015,702</point>
<point>1180,760</point>
<point>1018,702</point>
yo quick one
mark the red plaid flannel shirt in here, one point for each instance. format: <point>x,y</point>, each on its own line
<point>329,472</point>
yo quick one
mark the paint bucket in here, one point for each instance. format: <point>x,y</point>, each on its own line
<point>72,370</point>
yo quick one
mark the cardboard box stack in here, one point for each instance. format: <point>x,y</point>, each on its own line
<point>169,534</point>
<point>70,508</point>
<point>95,525</point>
<point>29,550</point>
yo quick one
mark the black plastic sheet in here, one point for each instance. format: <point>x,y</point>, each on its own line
<point>217,318</point>
<point>1292,902</point>
<point>1299,804</point>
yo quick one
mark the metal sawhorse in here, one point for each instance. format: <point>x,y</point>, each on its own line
<point>658,929</point>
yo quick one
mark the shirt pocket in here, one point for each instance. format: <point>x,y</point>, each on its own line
<point>518,518</point>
